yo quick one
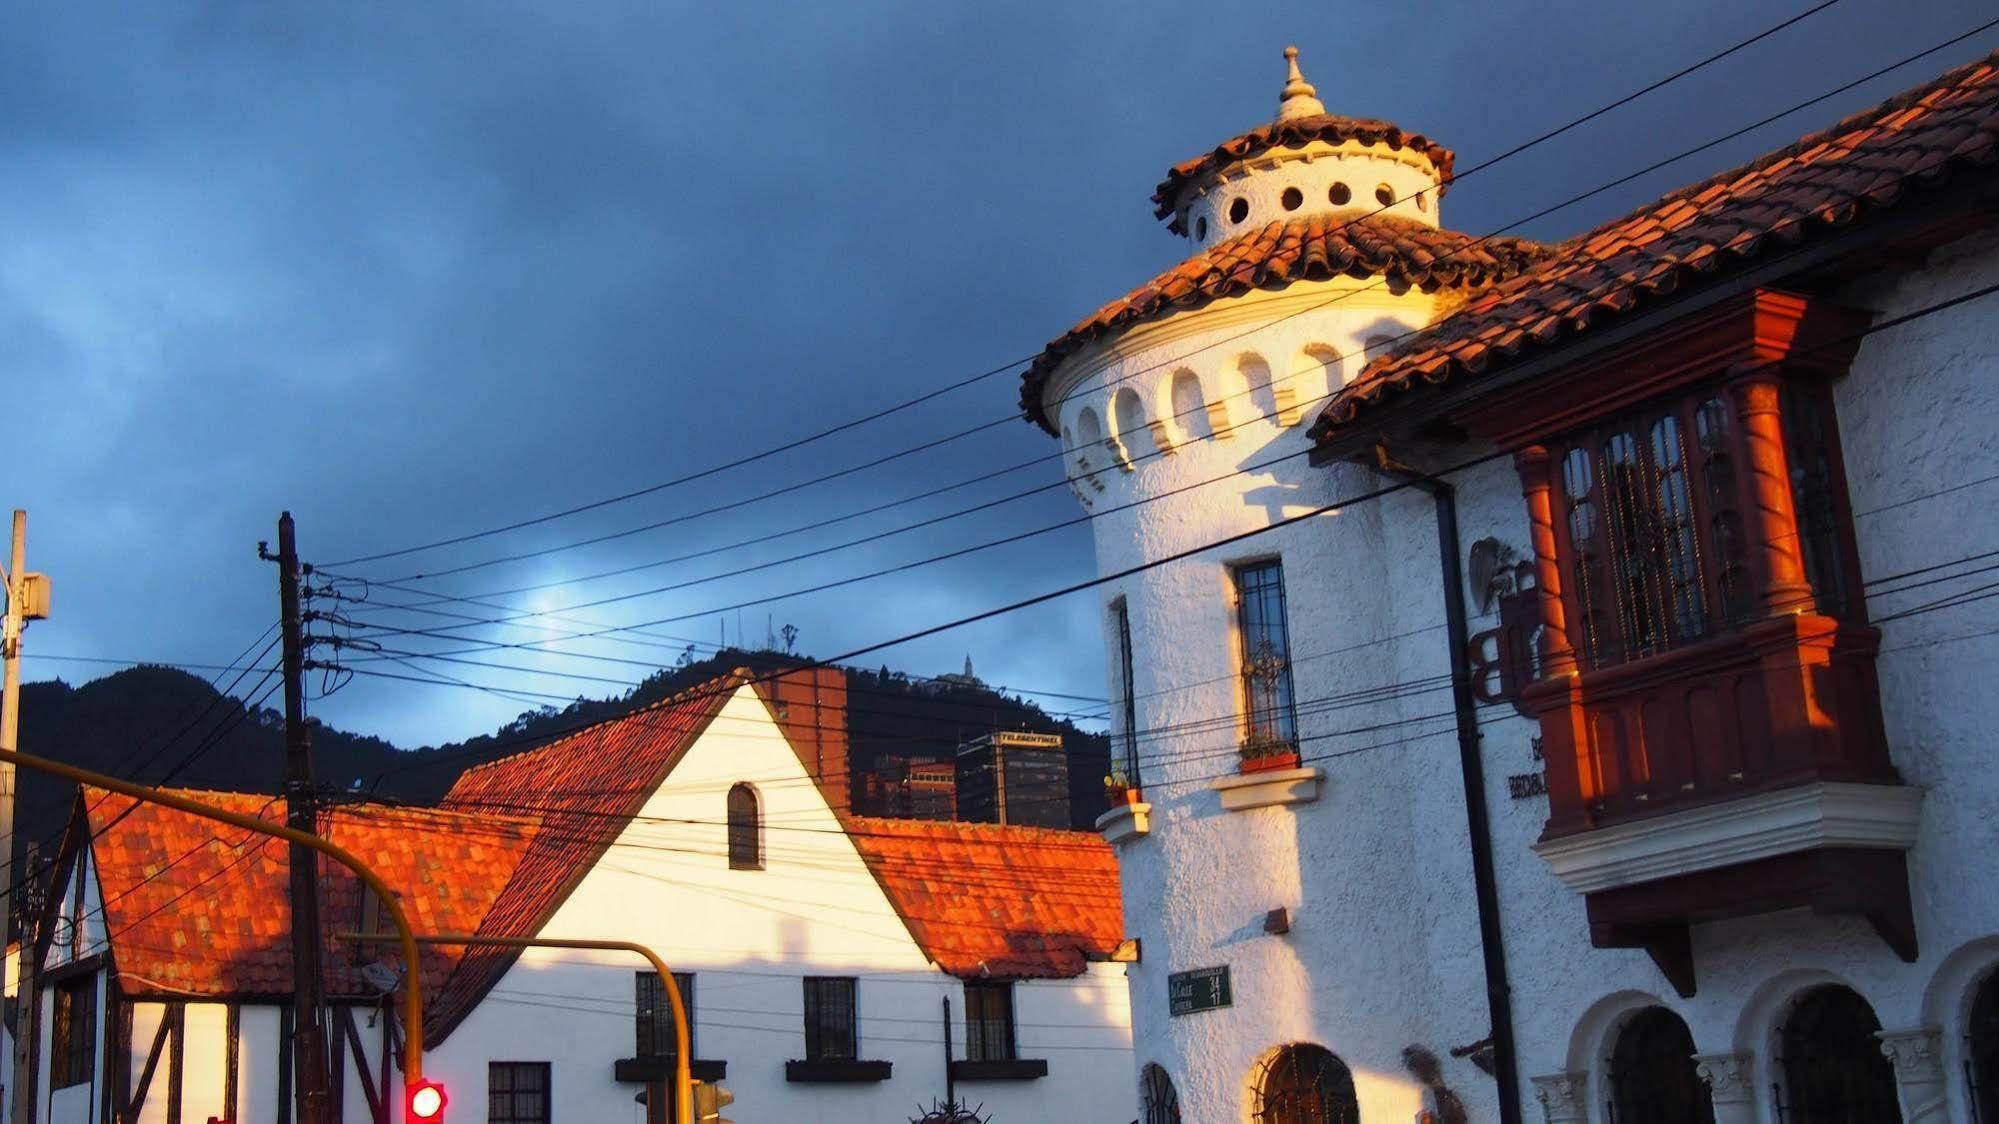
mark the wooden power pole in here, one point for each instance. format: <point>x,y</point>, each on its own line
<point>314,1093</point>
<point>27,600</point>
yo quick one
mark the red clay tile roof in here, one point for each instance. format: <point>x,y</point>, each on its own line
<point>1308,248</point>
<point>988,900</point>
<point>1699,234</point>
<point>191,912</point>
<point>1329,127</point>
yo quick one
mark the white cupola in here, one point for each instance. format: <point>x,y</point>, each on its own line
<point>1305,162</point>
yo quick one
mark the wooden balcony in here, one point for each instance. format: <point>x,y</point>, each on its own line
<point>1744,774</point>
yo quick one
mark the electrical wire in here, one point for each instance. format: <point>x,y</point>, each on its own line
<point>1459,176</point>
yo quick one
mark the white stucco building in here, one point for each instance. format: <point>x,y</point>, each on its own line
<point>821,951</point>
<point>1555,679</point>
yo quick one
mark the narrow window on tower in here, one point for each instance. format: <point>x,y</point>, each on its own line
<point>1270,724</point>
<point>1127,697</point>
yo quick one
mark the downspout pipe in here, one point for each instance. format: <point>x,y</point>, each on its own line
<point>1471,769</point>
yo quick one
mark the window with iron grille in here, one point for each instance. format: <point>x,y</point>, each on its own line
<point>1128,694</point>
<point>1305,1084</point>
<point>1156,1096</point>
<point>830,1019</point>
<point>1981,1061</point>
<point>73,1041</point>
<point>1653,1079</point>
<point>746,845</point>
<point>655,1014</point>
<point>1834,1072</point>
<point>1271,724</point>
<point>1655,528</point>
<point>989,1021</point>
<point>517,1093</point>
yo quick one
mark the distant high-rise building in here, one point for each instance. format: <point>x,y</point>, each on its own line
<point>932,790</point>
<point>1014,777</point>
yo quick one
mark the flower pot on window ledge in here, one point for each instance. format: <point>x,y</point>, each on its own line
<point>1269,760</point>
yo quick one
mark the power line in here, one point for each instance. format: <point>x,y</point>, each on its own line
<point>1011,364</point>
<point>1023,536</point>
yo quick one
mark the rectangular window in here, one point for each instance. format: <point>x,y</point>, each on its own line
<point>1271,725</point>
<point>517,1093</point>
<point>989,1021</point>
<point>655,1014</point>
<point>1127,692</point>
<point>830,1018</point>
<point>73,1043</point>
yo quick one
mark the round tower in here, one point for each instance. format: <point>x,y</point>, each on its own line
<point>1182,408</point>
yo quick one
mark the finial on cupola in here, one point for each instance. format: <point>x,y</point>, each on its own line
<point>1300,98</point>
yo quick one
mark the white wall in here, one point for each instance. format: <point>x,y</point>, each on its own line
<point>749,937</point>
<point>1384,950</point>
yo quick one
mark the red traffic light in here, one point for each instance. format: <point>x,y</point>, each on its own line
<point>424,1103</point>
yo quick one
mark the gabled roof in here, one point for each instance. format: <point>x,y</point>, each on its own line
<point>999,901</point>
<point>1313,247</point>
<point>194,909</point>
<point>1831,180</point>
<point>581,791</point>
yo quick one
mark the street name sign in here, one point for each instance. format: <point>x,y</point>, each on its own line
<point>1199,989</point>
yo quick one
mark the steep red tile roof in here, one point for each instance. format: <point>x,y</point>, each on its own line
<point>1309,248</point>
<point>191,911</point>
<point>988,900</point>
<point>1830,180</point>
<point>1297,133</point>
<point>581,791</point>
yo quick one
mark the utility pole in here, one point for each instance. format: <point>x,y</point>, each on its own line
<point>28,999</point>
<point>27,600</point>
<point>314,1098</point>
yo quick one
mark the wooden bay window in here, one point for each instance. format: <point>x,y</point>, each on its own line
<point>1705,639</point>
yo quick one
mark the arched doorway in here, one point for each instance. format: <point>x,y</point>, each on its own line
<point>1834,1072</point>
<point>1652,1074</point>
<point>1304,1084</point>
<point>1156,1096</point>
<point>1982,1049</point>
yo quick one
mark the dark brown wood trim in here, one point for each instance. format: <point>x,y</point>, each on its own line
<point>284,1065</point>
<point>337,1094</point>
<point>116,1058</point>
<point>177,1067</point>
<point>378,1109</point>
<point>232,1061</point>
<point>137,1101</point>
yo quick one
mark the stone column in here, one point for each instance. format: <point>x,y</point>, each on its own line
<point>1564,1097</point>
<point>1917,1056</point>
<point>1731,1083</point>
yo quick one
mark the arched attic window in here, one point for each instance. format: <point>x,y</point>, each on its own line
<point>1159,1102</point>
<point>1304,1084</point>
<point>746,829</point>
<point>1833,1067</point>
<point>1190,407</point>
<point>1256,379</point>
<point>1332,373</point>
<point>1129,413</point>
<point>1652,1074</point>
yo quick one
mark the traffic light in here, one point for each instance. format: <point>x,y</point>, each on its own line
<point>709,1101</point>
<point>423,1103</point>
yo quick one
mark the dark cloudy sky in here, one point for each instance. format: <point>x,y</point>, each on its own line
<point>413,270</point>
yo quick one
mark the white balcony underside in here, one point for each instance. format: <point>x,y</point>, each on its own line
<point>1809,817</point>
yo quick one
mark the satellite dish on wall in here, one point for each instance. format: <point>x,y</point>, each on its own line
<point>381,977</point>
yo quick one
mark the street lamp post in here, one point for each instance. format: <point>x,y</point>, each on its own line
<point>683,1074</point>
<point>412,991</point>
